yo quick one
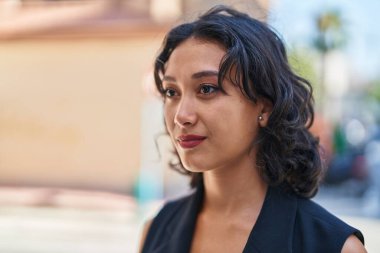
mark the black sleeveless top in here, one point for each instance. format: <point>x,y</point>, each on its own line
<point>286,223</point>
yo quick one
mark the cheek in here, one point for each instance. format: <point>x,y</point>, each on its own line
<point>240,119</point>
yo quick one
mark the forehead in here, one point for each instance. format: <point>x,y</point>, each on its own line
<point>194,55</point>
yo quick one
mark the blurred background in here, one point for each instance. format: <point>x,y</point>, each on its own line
<point>83,152</point>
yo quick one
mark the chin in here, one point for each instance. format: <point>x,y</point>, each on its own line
<point>196,168</point>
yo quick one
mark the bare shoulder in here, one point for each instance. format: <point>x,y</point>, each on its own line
<point>144,233</point>
<point>353,245</point>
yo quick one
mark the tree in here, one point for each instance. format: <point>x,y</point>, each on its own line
<point>330,36</point>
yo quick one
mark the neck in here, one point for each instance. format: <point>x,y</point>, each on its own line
<point>233,189</point>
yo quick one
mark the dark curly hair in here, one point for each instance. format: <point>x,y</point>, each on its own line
<point>288,154</point>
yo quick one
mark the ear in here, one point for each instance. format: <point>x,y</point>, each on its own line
<point>266,108</point>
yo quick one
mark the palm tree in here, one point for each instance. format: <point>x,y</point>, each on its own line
<point>330,36</point>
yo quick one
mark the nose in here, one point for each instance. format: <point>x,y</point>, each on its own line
<point>185,115</point>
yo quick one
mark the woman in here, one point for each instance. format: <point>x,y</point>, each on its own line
<point>238,118</point>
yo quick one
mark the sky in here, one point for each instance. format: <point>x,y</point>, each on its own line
<point>293,19</point>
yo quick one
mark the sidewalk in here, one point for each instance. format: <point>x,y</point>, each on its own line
<point>89,223</point>
<point>43,220</point>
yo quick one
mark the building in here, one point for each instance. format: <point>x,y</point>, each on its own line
<point>77,108</point>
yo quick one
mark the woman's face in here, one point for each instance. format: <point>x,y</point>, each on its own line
<point>210,130</point>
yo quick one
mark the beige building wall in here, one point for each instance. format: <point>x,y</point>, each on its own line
<point>256,8</point>
<point>70,111</point>
<point>76,104</point>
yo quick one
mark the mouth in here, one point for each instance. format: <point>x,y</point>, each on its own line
<point>190,141</point>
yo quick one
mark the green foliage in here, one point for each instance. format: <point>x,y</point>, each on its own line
<point>331,31</point>
<point>302,63</point>
<point>374,90</point>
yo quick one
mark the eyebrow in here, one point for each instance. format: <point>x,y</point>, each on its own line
<point>197,75</point>
<point>205,73</point>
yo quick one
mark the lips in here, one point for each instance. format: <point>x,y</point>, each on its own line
<point>190,141</point>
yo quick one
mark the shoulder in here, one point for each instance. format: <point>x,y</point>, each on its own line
<point>310,211</point>
<point>155,231</point>
<point>172,207</point>
<point>324,230</point>
<point>169,210</point>
<point>313,211</point>
<point>353,245</point>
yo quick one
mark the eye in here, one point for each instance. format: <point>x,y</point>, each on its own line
<point>207,89</point>
<point>169,92</point>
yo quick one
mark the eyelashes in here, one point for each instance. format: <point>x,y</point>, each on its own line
<point>203,90</point>
<point>208,89</point>
<point>169,92</point>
